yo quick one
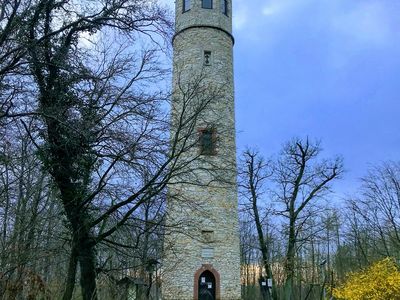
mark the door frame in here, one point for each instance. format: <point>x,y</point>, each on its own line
<point>206,267</point>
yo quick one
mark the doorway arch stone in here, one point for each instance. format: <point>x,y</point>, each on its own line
<point>206,267</point>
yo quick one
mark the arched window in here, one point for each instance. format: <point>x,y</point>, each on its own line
<point>186,5</point>
<point>207,4</point>
<point>224,7</point>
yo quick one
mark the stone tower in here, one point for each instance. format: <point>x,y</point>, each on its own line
<point>202,259</point>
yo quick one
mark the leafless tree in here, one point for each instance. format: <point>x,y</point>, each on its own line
<point>101,119</point>
<point>14,17</point>
<point>31,231</point>
<point>290,186</point>
<point>254,171</point>
<point>374,215</point>
<point>301,180</point>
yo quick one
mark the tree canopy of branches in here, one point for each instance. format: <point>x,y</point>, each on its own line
<point>254,172</point>
<point>291,186</point>
<point>301,179</point>
<point>374,215</point>
<point>92,107</point>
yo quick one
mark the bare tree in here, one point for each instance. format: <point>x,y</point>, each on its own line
<point>12,13</point>
<point>14,16</point>
<point>301,180</point>
<point>101,123</point>
<point>31,231</point>
<point>86,113</point>
<point>254,171</point>
<point>375,214</point>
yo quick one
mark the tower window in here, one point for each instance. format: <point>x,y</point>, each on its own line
<point>207,58</point>
<point>224,7</point>
<point>186,5</point>
<point>208,236</point>
<point>207,4</point>
<point>207,141</point>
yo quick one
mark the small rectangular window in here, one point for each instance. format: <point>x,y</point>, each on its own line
<point>207,4</point>
<point>207,58</point>
<point>207,142</point>
<point>186,5</point>
<point>224,7</point>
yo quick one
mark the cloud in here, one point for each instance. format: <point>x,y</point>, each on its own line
<point>274,7</point>
<point>282,8</point>
<point>366,23</point>
<point>240,15</point>
<point>362,31</point>
<point>270,9</point>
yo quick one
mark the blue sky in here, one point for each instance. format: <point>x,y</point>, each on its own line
<point>327,69</point>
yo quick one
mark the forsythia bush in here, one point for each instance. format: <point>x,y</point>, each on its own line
<point>381,281</point>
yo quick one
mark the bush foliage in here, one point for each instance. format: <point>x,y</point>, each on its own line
<point>380,281</point>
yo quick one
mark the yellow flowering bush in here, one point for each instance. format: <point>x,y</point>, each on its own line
<point>380,281</point>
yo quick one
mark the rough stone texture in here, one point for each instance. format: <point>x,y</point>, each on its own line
<point>209,203</point>
<point>200,16</point>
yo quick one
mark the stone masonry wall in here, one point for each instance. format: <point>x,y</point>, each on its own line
<point>200,16</point>
<point>208,201</point>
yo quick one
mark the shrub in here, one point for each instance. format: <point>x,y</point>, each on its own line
<point>380,281</point>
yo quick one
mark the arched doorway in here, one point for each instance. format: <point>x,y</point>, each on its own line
<point>206,283</point>
<point>206,286</point>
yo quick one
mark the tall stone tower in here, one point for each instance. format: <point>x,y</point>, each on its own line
<point>202,259</point>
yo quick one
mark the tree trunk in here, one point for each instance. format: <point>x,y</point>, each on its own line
<point>71,275</point>
<point>264,251</point>
<point>263,247</point>
<point>88,270</point>
<point>290,261</point>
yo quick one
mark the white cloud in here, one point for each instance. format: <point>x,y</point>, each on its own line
<point>240,17</point>
<point>269,10</point>
<point>280,8</point>
<point>274,7</point>
<point>248,13</point>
